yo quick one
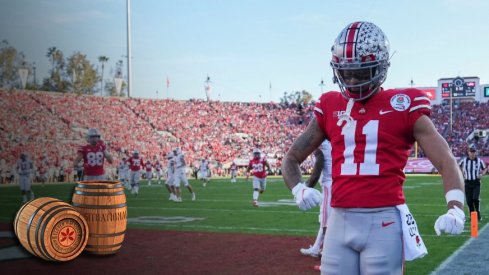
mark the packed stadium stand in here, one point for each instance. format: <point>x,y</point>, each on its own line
<point>55,124</point>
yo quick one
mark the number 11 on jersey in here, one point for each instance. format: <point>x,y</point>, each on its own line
<point>369,165</point>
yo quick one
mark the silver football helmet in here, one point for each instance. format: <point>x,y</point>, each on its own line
<point>93,135</point>
<point>360,60</point>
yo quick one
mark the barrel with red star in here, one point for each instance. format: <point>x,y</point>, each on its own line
<point>51,229</point>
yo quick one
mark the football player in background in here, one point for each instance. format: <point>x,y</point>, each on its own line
<point>258,167</point>
<point>24,168</point>
<point>203,172</point>
<point>123,171</point>
<point>135,164</point>
<point>180,175</point>
<point>233,170</point>
<point>93,155</point>
<point>371,131</point>
<point>158,169</point>
<point>170,171</point>
<point>3,167</point>
<point>149,171</point>
<point>79,171</point>
<point>44,168</point>
<point>322,173</point>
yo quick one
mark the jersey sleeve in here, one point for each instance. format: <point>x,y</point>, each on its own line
<point>319,110</point>
<point>102,146</point>
<point>420,105</point>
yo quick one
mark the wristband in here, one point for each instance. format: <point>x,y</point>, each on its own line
<point>297,187</point>
<point>455,195</point>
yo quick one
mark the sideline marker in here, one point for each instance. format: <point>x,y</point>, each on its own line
<point>474,227</point>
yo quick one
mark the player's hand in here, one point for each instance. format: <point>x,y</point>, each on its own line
<point>451,223</point>
<point>101,143</point>
<point>306,197</point>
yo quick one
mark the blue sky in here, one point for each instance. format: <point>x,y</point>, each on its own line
<point>246,45</point>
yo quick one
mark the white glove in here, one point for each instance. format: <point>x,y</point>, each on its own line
<point>306,197</point>
<point>451,223</point>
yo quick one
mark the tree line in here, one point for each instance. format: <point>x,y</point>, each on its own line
<point>72,74</point>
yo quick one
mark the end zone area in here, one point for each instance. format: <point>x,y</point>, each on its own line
<point>221,232</point>
<point>174,252</point>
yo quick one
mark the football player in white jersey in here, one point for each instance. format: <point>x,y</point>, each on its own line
<point>203,172</point>
<point>123,173</point>
<point>170,170</point>
<point>181,175</point>
<point>24,168</point>
<point>233,169</point>
<point>158,169</point>
<point>322,173</point>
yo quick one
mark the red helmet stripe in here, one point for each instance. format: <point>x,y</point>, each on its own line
<point>351,40</point>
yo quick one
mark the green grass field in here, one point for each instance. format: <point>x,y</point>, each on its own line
<point>226,207</point>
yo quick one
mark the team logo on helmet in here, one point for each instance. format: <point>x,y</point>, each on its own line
<point>360,47</point>
<point>400,102</point>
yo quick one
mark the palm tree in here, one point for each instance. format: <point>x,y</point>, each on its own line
<point>102,59</point>
<point>51,54</point>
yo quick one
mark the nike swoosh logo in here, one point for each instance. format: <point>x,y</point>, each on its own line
<point>385,112</point>
<point>385,224</point>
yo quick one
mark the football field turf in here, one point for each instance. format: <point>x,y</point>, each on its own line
<point>226,207</point>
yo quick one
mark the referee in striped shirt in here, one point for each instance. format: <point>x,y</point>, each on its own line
<point>473,168</point>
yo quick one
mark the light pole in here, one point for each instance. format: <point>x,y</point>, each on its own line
<point>129,82</point>
<point>321,84</point>
<point>208,88</point>
<point>34,71</point>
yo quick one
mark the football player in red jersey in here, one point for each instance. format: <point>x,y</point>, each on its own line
<point>258,167</point>
<point>149,171</point>
<point>44,168</point>
<point>371,131</point>
<point>93,155</point>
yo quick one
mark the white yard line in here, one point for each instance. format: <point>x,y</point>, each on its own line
<point>451,258</point>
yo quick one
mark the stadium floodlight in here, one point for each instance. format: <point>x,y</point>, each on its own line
<point>129,81</point>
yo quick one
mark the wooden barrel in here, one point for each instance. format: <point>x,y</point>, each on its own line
<point>103,204</point>
<point>51,229</point>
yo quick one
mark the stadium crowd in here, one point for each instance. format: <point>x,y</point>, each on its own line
<point>55,124</point>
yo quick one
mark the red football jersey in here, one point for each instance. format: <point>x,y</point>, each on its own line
<point>135,163</point>
<point>370,155</point>
<point>149,166</point>
<point>158,166</point>
<point>258,167</point>
<point>93,159</point>
<point>43,165</point>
